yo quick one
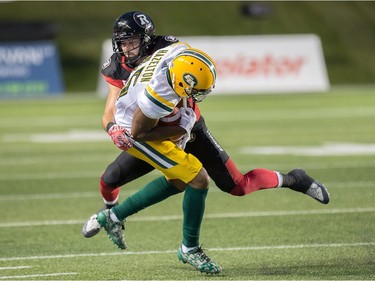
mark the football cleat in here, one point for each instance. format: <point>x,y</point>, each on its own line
<point>198,259</point>
<point>307,185</point>
<point>113,229</point>
<point>91,227</point>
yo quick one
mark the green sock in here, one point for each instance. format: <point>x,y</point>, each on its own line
<point>193,208</point>
<point>154,192</point>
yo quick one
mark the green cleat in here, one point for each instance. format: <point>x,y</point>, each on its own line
<point>91,227</point>
<point>113,229</point>
<point>198,259</point>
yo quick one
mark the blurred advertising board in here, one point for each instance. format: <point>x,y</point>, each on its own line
<point>258,64</point>
<point>29,69</point>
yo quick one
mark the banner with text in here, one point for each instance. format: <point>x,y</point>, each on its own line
<point>29,69</point>
<point>259,64</point>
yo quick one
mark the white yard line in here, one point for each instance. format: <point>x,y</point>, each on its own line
<point>53,175</point>
<point>47,160</point>
<point>37,275</point>
<point>233,115</point>
<point>15,267</point>
<point>48,196</point>
<point>300,246</point>
<point>51,121</point>
<point>213,116</point>
<point>207,216</point>
<point>92,174</point>
<point>251,248</point>
<point>130,190</point>
<point>325,149</point>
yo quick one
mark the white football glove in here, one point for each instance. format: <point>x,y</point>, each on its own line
<point>183,140</point>
<point>188,119</point>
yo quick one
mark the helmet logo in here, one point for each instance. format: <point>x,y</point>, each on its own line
<point>141,19</point>
<point>190,79</point>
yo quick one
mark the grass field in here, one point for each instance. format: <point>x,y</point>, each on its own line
<point>52,152</point>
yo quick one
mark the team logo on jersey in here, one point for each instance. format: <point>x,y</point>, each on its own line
<point>190,79</point>
<point>106,64</point>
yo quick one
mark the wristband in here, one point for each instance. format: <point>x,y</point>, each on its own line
<point>109,126</point>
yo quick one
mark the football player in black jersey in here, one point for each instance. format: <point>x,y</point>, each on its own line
<point>133,40</point>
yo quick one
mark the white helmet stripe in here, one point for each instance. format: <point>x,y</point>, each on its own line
<point>202,58</point>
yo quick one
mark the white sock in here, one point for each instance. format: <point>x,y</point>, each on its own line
<point>280,179</point>
<point>187,249</point>
<point>113,216</point>
<point>111,202</point>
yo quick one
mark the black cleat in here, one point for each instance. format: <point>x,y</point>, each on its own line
<point>307,185</point>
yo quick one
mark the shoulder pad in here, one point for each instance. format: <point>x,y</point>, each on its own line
<point>162,41</point>
<point>113,69</point>
<point>109,64</point>
<point>170,38</point>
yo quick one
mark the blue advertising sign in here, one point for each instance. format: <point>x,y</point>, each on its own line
<point>29,69</point>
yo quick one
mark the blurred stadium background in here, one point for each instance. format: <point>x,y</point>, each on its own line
<point>346,29</point>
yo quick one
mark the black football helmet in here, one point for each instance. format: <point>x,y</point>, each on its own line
<point>130,25</point>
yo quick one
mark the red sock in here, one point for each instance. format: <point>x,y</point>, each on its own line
<point>109,194</point>
<point>254,180</point>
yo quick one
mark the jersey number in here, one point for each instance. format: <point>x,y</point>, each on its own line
<point>132,80</point>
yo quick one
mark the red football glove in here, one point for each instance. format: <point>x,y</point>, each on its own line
<point>120,137</point>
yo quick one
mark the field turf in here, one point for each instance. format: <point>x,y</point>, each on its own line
<point>52,152</point>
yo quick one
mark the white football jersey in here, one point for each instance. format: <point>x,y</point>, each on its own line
<point>148,88</point>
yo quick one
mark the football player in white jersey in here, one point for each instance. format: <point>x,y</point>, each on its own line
<point>152,91</point>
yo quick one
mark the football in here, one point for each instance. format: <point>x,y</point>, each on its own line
<point>172,119</point>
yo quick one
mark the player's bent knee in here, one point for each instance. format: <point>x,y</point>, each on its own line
<point>201,180</point>
<point>238,191</point>
<point>111,176</point>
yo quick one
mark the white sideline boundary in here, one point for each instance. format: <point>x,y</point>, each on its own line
<point>251,248</point>
<point>207,216</point>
